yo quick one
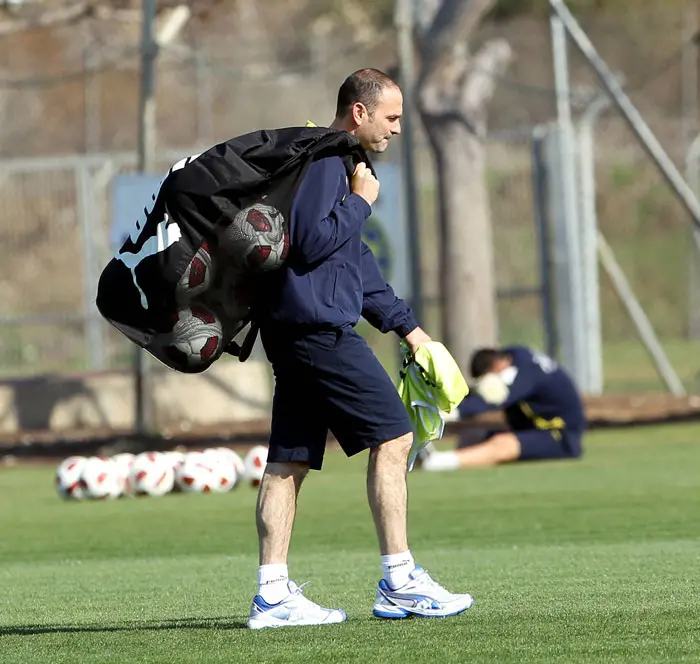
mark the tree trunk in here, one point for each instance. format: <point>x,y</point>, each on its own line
<point>467,277</point>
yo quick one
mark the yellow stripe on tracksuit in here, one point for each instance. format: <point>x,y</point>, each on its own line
<point>543,424</point>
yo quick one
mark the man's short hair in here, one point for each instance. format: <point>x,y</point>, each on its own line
<point>483,360</point>
<point>364,86</point>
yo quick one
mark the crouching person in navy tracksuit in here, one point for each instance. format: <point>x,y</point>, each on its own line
<point>542,407</point>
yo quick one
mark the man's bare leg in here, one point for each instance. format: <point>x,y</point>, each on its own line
<point>501,448</point>
<point>279,602</point>
<point>276,508</point>
<point>388,500</point>
<point>405,589</point>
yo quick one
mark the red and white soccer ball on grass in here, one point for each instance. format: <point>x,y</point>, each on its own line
<point>68,476</point>
<point>220,469</point>
<point>206,472</point>
<point>255,462</point>
<point>213,470</point>
<point>151,474</point>
<point>99,479</point>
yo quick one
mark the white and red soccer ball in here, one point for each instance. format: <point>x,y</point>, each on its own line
<point>257,239</point>
<point>198,276</point>
<point>228,456</point>
<point>255,462</point>
<point>68,476</point>
<point>174,458</point>
<point>123,462</point>
<point>100,479</point>
<point>213,470</point>
<point>151,475</point>
<point>195,341</point>
<point>206,472</point>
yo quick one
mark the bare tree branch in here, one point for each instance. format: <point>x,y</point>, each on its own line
<point>454,23</point>
<point>49,18</point>
<point>97,9</point>
<point>439,95</point>
<point>490,62</point>
<point>425,15</point>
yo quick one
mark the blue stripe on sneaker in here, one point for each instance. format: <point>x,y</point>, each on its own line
<point>261,604</point>
<point>387,614</point>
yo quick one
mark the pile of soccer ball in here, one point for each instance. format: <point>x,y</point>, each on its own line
<point>213,470</point>
<point>214,292</point>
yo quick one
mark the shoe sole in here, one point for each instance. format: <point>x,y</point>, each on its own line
<point>268,624</point>
<point>398,613</point>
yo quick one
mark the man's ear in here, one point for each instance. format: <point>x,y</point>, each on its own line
<point>358,112</point>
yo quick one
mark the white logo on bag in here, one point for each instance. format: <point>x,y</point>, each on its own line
<point>166,234</point>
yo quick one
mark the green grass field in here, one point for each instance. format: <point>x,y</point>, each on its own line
<point>589,561</point>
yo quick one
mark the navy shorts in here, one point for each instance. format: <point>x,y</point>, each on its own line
<point>330,381</point>
<point>537,444</point>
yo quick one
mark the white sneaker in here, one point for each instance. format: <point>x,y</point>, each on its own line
<point>421,596</point>
<point>295,609</point>
<point>440,462</point>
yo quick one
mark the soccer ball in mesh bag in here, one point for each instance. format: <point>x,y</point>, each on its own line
<point>257,239</point>
<point>196,340</point>
<point>255,462</point>
<point>151,475</point>
<point>197,277</point>
<point>99,479</point>
<point>68,478</point>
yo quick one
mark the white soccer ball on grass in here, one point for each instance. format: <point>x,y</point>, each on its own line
<point>255,462</point>
<point>124,461</point>
<point>230,457</point>
<point>99,479</point>
<point>151,475</point>
<point>68,478</point>
<point>206,471</point>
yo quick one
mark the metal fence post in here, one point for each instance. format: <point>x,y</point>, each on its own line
<point>93,324</point>
<point>692,175</point>
<point>589,243</point>
<point>539,196</point>
<point>567,226</point>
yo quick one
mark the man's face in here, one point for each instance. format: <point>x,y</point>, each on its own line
<point>374,131</point>
<point>501,364</point>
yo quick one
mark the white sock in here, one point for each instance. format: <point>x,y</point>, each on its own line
<point>441,461</point>
<point>397,568</point>
<point>273,582</point>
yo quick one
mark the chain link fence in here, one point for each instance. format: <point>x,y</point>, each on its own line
<point>74,91</point>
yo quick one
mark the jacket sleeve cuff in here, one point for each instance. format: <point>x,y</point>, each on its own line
<point>361,205</point>
<point>407,326</point>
